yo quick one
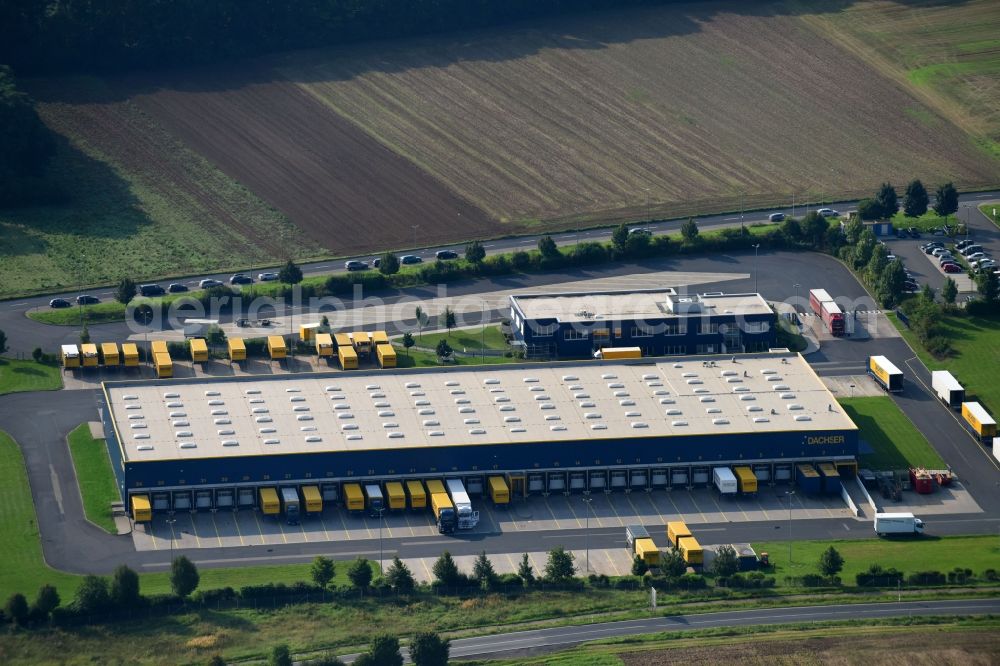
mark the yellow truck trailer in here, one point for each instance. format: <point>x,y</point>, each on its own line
<point>342,339</point>
<point>499,492</point>
<point>416,495</point>
<point>237,349</point>
<point>379,338</point>
<point>164,366</point>
<point>746,480</point>
<point>269,503</point>
<point>395,496</point>
<point>354,499</point>
<point>885,374</point>
<point>110,358</point>
<point>348,358</point>
<point>307,332</point>
<point>386,356</point>
<point>130,355</point>
<point>691,550</point>
<point>159,347</point>
<point>89,354</point>
<point>324,345</point>
<point>141,510</point>
<point>618,353</point>
<point>983,425</point>
<point>313,498</point>
<point>199,350</point>
<point>362,342</point>
<point>276,347</point>
<point>647,551</point>
<point>434,486</point>
<point>70,356</point>
<point>677,529</point>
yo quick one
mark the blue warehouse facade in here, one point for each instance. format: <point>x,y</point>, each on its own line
<point>661,322</point>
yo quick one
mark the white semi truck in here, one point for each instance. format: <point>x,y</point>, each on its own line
<point>897,523</point>
<point>947,388</point>
<point>725,481</point>
<point>467,518</point>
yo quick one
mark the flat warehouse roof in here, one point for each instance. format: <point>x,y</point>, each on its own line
<point>642,304</point>
<point>380,409</point>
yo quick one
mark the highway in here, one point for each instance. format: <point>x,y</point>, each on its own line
<point>540,641</point>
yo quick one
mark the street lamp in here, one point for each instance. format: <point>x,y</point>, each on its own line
<point>789,493</point>
<point>796,288</point>
<point>852,390</point>
<point>170,522</point>
<point>587,501</point>
<point>380,512</point>
<point>755,248</point>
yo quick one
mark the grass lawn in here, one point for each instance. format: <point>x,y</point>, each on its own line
<point>991,211</point>
<point>100,313</point>
<point>419,359</point>
<point>907,555</point>
<point>789,335</point>
<point>17,376</point>
<point>467,338</point>
<point>897,442</point>
<point>93,472</point>
<point>925,222</point>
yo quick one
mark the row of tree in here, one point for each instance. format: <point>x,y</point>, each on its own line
<point>885,204</point>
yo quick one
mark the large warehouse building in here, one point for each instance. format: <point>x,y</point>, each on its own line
<point>659,321</point>
<point>213,442</point>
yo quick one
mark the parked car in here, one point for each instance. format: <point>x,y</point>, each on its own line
<point>938,251</point>
<point>446,254</point>
<point>209,282</point>
<point>87,299</point>
<point>891,257</point>
<point>982,263</point>
<point>59,303</point>
<point>776,217</point>
<point>267,277</point>
<point>951,268</point>
<point>240,278</point>
<point>911,287</point>
<point>411,259</point>
<point>176,288</point>
<point>938,232</point>
<point>640,231</point>
<point>914,232</point>
<point>962,244</point>
<point>828,212</point>
<point>356,265</point>
<point>901,234</point>
<point>376,262</point>
<point>930,248</point>
<point>971,249</point>
<point>946,260</point>
<point>151,290</point>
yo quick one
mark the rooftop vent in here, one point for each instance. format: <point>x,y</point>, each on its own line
<point>263,419</point>
<point>227,431</point>
<point>802,417</point>
<point>372,387</point>
<point>344,416</point>
<point>674,412</point>
<point>598,426</point>
<point>720,421</point>
<point>256,391</point>
<point>530,380</point>
<point>267,431</point>
<point>353,438</point>
<point>431,422</point>
<point>761,419</point>
<point>141,435</point>
<point>639,424</point>
<point>467,410</point>
<point>491,380</point>
<point>678,424</point>
<point>144,447</point>
<point>608,375</point>
<point>272,441</point>
<point>507,408</point>
<point>706,398</point>
<point>477,431</point>
<point>457,391</point>
<point>337,388</point>
<point>557,428</point>
<point>303,417</point>
<point>421,403</point>
<point>188,445</point>
<point>314,438</point>
<point>341,405</point>
<point>411,385</point>
<point>435,433</point>
<point>385,413</point>
<point>175,415</point>
<point>349,426</point>
<point>570,378</point>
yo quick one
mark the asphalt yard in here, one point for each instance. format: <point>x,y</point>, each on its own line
<point>246,527</point>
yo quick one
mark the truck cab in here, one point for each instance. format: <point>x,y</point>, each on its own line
<point>291,504</point>
<point>376,501</point>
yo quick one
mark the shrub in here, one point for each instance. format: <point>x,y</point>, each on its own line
<point>813,580</point>
<point>926,578</point>
<point>183,576</point>
<point>877,576</point>
<point>599,581</point>
<point>991,575</point>
<point>691,581</point>
<point>521,260</point>
<point>628,583</point>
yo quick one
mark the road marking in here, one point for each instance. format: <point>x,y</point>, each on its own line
<point>172,533</point>
<point>728,219</point>
<point>216,525</point>
<point>698,508</point>
<point>576,517</point>
<point>239,532</point>
<point>423,562</point>
<point>56,489</point>
<point>679,513</point>
<point>260,531</point>
<point>347,532</point>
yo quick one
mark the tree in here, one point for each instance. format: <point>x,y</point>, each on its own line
<point>448,319</point>
<point>864,249</point>
<point>399,577</point>
<point>869,209</point>
<point>327,659</point>
<point>475,252</point>
<point>322,571</point>
<point>443,349</point>
<point>879,260</point>
<point>548,248</point>
<point>280,656</point>
<point>445,570</point>
<point>184,576</point>
<point>834,238</point>
<point>47,600</point>
<point>384,651</point>
<point>889,284</point>
<point>421,320</point>
<point>559,568</point>
<point>639,566</point>
<point>831,562</point>
<point>947,200</point>
<point>125,291</point>
<point>125,587</point>
<point>408,341</point>
<point>915,200</point>
<point>949,292</point>
<point>3,342</point>
<point>28,144</point>
<point>927,293</point>
<point>791,229</point>
<point>672,563</point>
<point>638,245</point>
<point>814,228</point>
<point>725,563</point>
<point>429,649</point>
<point>84,334</point>
<point>217,660</point>
<point>689,231</point>
<point>483,572</point>
<point>389,264</point>
<point>887,200</point>
<point>526,571</point>
<point>92,595</point>
<point>852,232</point>
<point>17,608</point>
<point>987,285</point>
<point>290,273</point>
<point>360,573</point>
<point>619,238</point>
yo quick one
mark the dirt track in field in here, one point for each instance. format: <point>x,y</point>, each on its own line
<point>343,189</point>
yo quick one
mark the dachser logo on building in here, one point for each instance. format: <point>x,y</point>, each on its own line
<point>824,439</point>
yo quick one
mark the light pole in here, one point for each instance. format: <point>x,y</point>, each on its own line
<point>790,493</point>
<point>170,521</point>
<point>755,248</point>
<point>852,390</point>
<point>587,501</point>
<point>796,288</point>
<point>380,512</point>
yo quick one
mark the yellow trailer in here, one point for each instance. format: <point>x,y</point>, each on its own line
<point>677,529</point>
<point>354,499</point>
<point>380,338</point>
<point>395,496</point>
<point>308,332</point>
<point>647,551</point>
<point>159,347</point>
<point>342,339</point>
<point>348,358</point>
<point>617,353</point>
<point>324,345</point>
<point>434,486</point>
<point>386,356</point>
<point>982,424</point>
<point>416,494</point>
<point>164,366</point>
<point>746,480</point>
<point>499,492</point>
<point>130,354</point>
<point>276,347</point>
<point>313,498</point>
<point>362,342</point>
<point>199,350</point>
<point>141,510</point>
<point>269,503</point>
<point>691,550</point>
<point>237,349</point>
<point>70,356</point>
<point>109,354</point>
<point>89,354</point>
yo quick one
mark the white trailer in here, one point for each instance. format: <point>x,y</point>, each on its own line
<point>897,523</point>
<point>467,518</point>
<point>947,388</point>
<point>996,448</point>
<point>724,480</point>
